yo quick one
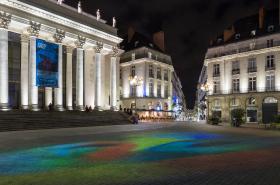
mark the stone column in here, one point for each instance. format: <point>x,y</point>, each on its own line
<point>58,92</point>
<point>98,82</point>
<point>113,90</point>
<point>80,74</point>
<point>33,89</point>
<point>24,71</point>
<point>69,81</point>
<point>5,20</point>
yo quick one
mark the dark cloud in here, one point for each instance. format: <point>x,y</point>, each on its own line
<point>188,24</point>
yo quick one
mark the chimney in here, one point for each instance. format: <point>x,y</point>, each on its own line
<point>261,17</point>
<point>159,41</point>
<point>130,33</point>
<point>228,33</point>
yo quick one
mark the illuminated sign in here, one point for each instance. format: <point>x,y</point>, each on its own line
<point>46,64</point>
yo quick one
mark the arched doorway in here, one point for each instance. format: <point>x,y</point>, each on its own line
<point>269,109</point>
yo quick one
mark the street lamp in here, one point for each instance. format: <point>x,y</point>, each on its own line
<point>135,81</point>
<point>205,88</point>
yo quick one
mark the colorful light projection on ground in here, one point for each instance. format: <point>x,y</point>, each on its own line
<point>144,148</point>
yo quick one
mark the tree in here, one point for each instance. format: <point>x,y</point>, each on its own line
<point>237,116</point>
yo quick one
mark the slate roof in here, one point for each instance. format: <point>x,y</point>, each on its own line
<point>244,27</point>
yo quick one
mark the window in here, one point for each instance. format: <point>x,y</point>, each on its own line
<point>270,82</point>
<point>236,85</point>
<point>252,83</point>
<point>235,67</point>
<point>235,102</point>
<point>216,71</point>
<point>133,56</point>
<point>151,88</point>
<point>251,101</point>
<point>252,65</point>
<point>166,75</point>
<point>133,91</point>
<point>216,87</point>
<point>237,36</point>
<point>253,33</point>
<point>151,71</point>
<point>159,73</point>
<point>133,73</point>
<point>270,28</point>
<point>166,91</point>
<point>270,64</point>
<point>270,43</point>
<point>150,55</point>
<point>159,90</point>
<point>217,103</point>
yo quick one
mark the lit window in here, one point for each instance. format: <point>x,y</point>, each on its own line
<point>133,72</point>
<point>252,83</point>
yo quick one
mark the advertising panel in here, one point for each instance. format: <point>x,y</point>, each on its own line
<point>46,64</point>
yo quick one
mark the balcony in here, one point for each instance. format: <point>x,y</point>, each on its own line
<point>151,75</point>
<point>216,74</point>
<point>269,68</point>
<point>235,71</point>
<point>252,70</point>
<point>235,91</point>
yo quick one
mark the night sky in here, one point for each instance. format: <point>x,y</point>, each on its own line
<point>188,25</point>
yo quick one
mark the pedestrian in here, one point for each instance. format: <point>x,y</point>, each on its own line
<point>50,107</point>
<point>87,109</point>
<point>135,119</point>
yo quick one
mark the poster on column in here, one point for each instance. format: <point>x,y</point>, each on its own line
<point>46,64</point>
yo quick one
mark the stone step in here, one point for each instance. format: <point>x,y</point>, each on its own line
<point>17,120</point>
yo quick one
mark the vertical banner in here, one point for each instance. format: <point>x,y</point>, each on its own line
<point>46,64</point>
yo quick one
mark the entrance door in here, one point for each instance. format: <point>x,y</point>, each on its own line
<point>269,110</point>
<point>252,116</point>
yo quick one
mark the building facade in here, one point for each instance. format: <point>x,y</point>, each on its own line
<point>243,70</point>
<point>201,102</point>
<point>178,95</point>
<point>155,69</point>
<point>86,73</point>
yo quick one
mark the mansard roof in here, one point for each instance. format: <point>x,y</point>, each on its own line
<point>245,26</point>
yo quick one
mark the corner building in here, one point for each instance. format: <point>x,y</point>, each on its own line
<point>243,69</point>
<point>86,68</point>
<point>161,89</point>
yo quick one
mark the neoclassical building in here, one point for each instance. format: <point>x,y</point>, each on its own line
<point>243,69</point>
<point>51,53</point>
<point>160,89</point>
<point>155,69</point>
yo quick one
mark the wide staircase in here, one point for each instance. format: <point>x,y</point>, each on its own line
<point>17,120</point>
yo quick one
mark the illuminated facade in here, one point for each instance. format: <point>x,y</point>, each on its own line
<point>88,62</point>
<point>155,68</point>
<point>243,71</point>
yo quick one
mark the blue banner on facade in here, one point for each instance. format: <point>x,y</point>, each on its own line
<point>46,64</point>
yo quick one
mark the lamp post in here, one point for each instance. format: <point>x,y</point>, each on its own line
<point>205,88</point>
<point>135,81</point>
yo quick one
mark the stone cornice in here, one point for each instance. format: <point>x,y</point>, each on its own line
<point>15,4</point>
<point>147,60</point>
<point>245,54</point>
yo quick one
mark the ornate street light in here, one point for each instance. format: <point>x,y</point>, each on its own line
<point>206,88</point>
<point>135,81</point>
